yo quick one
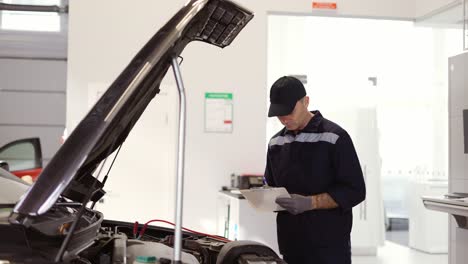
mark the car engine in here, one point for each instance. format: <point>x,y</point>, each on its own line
<point>116,243</point>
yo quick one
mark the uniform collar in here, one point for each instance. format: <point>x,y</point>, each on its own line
<point>312,126</point>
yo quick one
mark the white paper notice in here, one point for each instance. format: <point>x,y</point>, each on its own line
<point>218,112</point>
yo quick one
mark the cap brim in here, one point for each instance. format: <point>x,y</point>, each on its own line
<point>280,110</point>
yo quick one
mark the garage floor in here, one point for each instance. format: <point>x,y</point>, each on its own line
<point>400,237</point>
<point>393,253</point>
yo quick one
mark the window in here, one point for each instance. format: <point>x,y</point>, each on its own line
<point>31,21</point>
<point>20,156</point>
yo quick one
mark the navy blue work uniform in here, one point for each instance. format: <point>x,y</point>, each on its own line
<point>318,159</point>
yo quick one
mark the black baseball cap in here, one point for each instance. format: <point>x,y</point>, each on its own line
<point>284,94</point>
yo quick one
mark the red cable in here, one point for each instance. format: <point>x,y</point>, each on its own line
<point>167,222</point>
<point>135,229</point>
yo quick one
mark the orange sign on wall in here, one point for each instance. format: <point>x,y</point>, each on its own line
<point>324,5</point>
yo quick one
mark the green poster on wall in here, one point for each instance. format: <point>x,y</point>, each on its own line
<point>218,112</point>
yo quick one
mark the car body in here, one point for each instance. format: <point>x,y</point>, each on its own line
<point>53,220</point>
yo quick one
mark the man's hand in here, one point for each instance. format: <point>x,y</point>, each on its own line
<point>296,204</point>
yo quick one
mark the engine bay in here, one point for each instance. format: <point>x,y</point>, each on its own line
<point>118,242</point>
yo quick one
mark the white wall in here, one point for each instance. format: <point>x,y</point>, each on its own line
<point>100,48</point>
<point>104,36</point>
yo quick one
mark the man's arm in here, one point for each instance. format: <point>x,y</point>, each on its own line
<point>268,172</point>
<point>349,188</point>
<point>297,203</point>
<point>323,201</point>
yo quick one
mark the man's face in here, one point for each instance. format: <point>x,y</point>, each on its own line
<point>295,120</point>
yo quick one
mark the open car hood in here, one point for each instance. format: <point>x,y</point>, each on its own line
<point>109,122</point>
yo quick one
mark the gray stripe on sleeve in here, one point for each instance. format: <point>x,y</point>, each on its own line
<point>304,138</point>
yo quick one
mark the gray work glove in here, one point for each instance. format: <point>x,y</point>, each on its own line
<point>296,204</point>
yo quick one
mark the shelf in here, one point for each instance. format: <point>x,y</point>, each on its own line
<point>455,207</point>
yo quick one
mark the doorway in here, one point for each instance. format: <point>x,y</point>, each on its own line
<point>385,82</point>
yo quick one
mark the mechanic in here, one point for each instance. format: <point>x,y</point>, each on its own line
<point>315,160</point>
